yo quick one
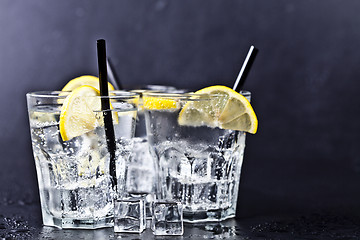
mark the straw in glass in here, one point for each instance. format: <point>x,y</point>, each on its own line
<point>105,107</point>
<point>249,60</point>
<point>113,77</point>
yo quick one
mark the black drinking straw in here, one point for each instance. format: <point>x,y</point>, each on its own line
<point>105,107</point>
<point>113,77</point>
<point>249,60</point>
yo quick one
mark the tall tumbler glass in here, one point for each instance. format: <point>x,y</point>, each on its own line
<point>140,170</point>
<point>75,184</point>
<point>140,174</point>
<point>197,165</point>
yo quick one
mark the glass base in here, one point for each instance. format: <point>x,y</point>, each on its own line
<point>70,223</point>
<point>214,215</point>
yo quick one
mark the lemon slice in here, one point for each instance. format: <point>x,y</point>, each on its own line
<point>81,112</point>
<point>84,80</point>
<point>226,109</point>
<point>158,103</point>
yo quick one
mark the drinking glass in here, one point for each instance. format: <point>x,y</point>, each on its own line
<point>140,176</point>
<point>75,183</point>
<point>197,165</point>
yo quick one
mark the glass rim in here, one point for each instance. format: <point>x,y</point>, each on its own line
<point>119,94</point>
<point>156,87</point>
<point>187,95</point>
<point>180,96</point>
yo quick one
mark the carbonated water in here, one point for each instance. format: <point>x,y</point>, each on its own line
<point>75,185</point>
<point>199,166</point>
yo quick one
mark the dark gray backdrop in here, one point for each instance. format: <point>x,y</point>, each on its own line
<point>305,83</point>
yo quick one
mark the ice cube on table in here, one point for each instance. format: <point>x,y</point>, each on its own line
<point>129,215</point>
<point>148,198</point>
<point>167,217</point>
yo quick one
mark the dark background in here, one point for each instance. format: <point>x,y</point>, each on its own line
<point>305,83</point>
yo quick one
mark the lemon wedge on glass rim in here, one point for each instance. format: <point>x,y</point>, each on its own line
<point>228,109</point>
<point>84,80</point>
<point>81,112</point>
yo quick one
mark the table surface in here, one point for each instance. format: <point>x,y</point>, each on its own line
<point>21,219</point>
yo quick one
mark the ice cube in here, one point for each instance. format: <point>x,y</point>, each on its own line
<point>140,171</point>
<point>51,138</point>
<point>204,193</point>
<point>141,153</point>
<point>167,218</point>
<point>148,198</point>
<point>139,179</point>
<point>172,155</point>
<point>218,165</point>
<point>129,215</point>
<point>200,166</point>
